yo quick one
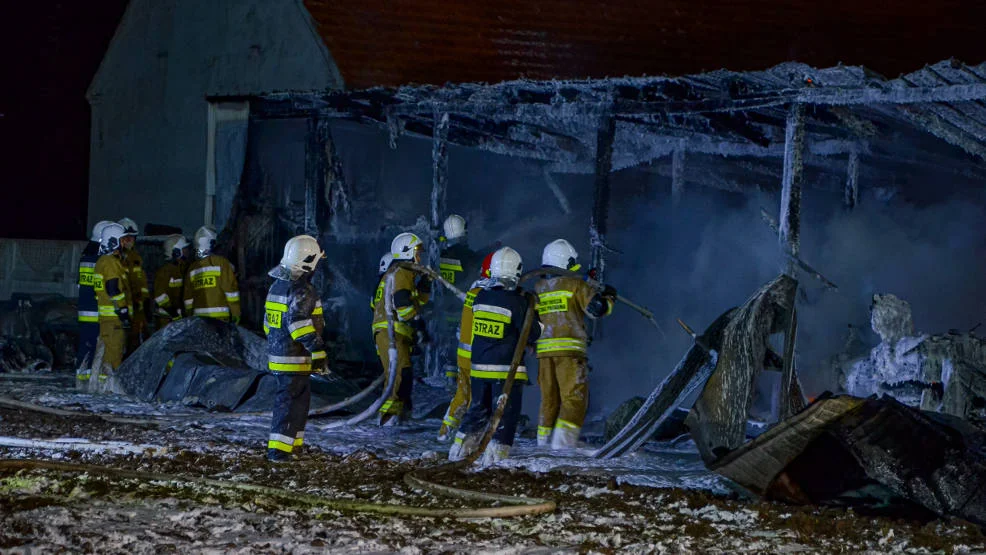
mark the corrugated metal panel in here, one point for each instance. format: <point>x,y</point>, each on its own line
<point>387,42</point>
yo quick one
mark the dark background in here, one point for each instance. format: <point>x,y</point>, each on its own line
<point>50,51</point>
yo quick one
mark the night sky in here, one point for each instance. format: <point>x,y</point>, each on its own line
<point>50,53</point>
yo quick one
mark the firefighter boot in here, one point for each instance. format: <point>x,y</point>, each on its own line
<point>565,436</point>
<point>494,453</point>
<point>463,446</point>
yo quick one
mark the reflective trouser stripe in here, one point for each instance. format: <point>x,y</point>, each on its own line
<point>212,312</point>
<point>83,374</point>
<point>544,431</point>
<point>281,443</point>
<point>560,344</point>
<point>161,299</point>
<point>89,315</point>
<point>299,439</point>
<point>289,364</point>
<point>496,371</point>
<point>318,355</point>
<point>563,424</point>
<point>450,421</point>
<point>392,406</point>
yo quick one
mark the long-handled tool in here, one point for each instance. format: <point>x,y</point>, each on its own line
<point>550,270</point>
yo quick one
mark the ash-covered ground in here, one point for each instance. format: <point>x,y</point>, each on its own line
<point>660,500</point>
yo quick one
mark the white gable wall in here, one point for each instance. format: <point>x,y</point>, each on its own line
<point>149,113</point>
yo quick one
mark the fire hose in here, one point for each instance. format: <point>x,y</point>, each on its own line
<point>391,371</point>
<point>517,505</point>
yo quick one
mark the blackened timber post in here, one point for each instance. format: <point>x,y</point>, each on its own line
<point>677,173</point>
<point>439,185</point>
<point>790,235</point>
<point>316,172</point>
<point>600,202</point>
<point>852,181</point>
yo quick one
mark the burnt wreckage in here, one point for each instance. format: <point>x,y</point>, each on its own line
<point>772,131</point>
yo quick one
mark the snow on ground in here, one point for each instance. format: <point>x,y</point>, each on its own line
<point>659,500</point>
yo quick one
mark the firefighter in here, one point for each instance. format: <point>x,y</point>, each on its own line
<point>458,265</point>
<point>463,390</point>
<point>385,262</point>
<point>293,323</point>
<point>88,308</point>
<point>211,290</point>
<point>497,320</point>
<point>133,264</point>
<point>409,327</point>
<point>563,370</point>
<point>113,299</point>
<point>169,280</point>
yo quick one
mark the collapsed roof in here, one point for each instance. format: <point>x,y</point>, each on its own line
<point>732,125</point>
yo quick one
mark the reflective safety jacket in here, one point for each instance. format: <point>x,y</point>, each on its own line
<point>211,290</point>
<point>464,350</point>
<point>459,265</point>
<point>88,311</point>
<point>168,290</point>
<point>293,322</point>
<point>134,266</point>
<point>497,318</point>
<point>407,302</point>
<point>111,286</point>
<point>563,304</point>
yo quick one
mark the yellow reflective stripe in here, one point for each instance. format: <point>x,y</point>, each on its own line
<point>560,344</point>
<point>556,295</point>
<point>392,406</point>
<point>318,311</point>
<point>162,299</point>
<point>565,424</point>
<point>107,310</point>
<point>119,297</point>
<point>405,312</point>
<point>544,431</point>
<point>496,374</point>
<point>318,355</point>
<point>280,446</point>
<point>233,297</point>
<point>450,421</point>
<point>302,331</point>
<point>280,307</point>
<point>491,316</point>
<point>399,327</point>
<point>464,353</point>
<point>299,441</point>
<point>88,315</point>
<point>285,367</point>
<point>266,329</point>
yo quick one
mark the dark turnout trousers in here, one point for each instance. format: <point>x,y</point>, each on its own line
<point>485,393</point>
<point>287,430</point>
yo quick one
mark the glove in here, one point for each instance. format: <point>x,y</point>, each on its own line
<point>124,315</point>
<point>321,367</point>
<point>609,291</point>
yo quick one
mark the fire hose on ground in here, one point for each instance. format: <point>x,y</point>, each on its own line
<point>421,479</point>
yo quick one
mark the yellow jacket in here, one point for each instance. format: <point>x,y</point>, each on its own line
<point>133,264</point>
<point>111,286</point>
<point>563,304</point>
<point>211,290</point>
<point>168,288</point>
<point>407,301</point>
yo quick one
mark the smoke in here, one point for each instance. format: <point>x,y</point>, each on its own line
<point>691,261</point>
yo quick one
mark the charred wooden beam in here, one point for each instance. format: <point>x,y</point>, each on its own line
<point>790,217</point>
<point>316,172</point>
<point>598,223</point>
<point>944,130</point>
<point>851,197</point>
<point>677,174</point>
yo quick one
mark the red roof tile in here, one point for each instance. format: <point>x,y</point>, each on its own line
<point>394,42</point>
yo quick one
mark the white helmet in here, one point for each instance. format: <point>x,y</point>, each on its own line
<point>129,225</point>
<point>454,227</point>
<point>97,230</point>
<point>505,266</point>
<point>560,254</point>
<point>301,254</point>
<point>404,245</point>
<point>173,246</point>
<point>205,240</point>
<point>385,261</point>
<point>109,239</point>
